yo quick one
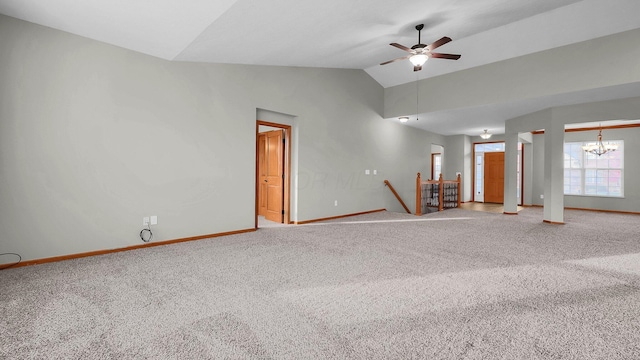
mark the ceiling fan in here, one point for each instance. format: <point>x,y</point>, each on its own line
<point>420,53</point>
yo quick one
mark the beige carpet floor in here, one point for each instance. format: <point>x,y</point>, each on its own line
<point>451,285</point>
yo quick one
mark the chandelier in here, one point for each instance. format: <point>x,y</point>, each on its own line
<point>599,148</point>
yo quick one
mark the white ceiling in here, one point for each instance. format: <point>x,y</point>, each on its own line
<point>343,34</point>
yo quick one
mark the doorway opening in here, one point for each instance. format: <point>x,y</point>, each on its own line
<point>273,174</point>
<point>488,172</point>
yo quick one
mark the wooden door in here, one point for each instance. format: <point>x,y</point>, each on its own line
<point>262,174</point>
<point>494,177</point>
<point>274,176</point>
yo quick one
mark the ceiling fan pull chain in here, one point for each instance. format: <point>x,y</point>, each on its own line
<point>417,98</point>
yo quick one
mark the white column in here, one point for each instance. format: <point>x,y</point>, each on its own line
<point>511,173</point>
<point>554,172</point>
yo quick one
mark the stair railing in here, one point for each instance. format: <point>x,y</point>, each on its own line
<point>441,193</point>
<point>387,183</point>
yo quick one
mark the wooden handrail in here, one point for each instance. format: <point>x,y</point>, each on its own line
<point>387,183</point>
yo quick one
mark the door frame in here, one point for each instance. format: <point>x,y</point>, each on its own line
<point>262,139</point>
<point>473,170</point>
<point>287,170</point>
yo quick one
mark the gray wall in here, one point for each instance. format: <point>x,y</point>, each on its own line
<point>561,70</point>
<point>527,185</point>
<point>601,111</point>
<point>631,199</point>
<point>94,137</point>
<point>536,168</point>
<point>574,68</point>
<point>458,159</point>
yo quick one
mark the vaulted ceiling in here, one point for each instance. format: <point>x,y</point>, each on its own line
<point>336,33</point>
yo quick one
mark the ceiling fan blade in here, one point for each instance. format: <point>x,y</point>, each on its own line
<point>394,60</point>
<point>417,68</point>
<point>444,56</point>
<point>401,47</point>
<point>438,43</point>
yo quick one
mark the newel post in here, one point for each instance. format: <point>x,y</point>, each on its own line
<point>418,195</point>
<point>459,193</point>
<point>440,193</point>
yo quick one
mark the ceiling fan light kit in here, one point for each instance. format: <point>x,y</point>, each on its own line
<point>420,53</point>
<point>418,59</point>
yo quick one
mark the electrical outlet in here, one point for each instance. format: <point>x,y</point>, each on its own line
<point>154,220</point>
<point>335,203</point>
<point>145,221</point>
<point>375,172</point>
<point>541,196</point>
<point>367,172</point>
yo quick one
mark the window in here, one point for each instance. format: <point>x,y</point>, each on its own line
<point>436,165</point>
<point>590,174</point>
<point>479,178</point>
<point>488,147</point>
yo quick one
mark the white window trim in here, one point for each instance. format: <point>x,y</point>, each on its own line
<point>583,170</point>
